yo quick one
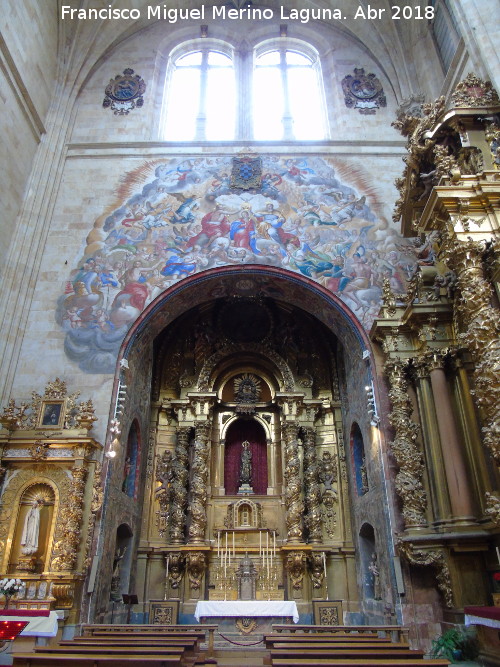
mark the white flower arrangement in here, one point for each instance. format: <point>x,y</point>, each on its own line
<point>9,587</point>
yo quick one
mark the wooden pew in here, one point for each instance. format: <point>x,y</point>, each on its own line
<point>331,639</point>
<point>355,662</point>
<point>375,653</point>
<point>397,633</point>
<point>95,659</point>
<point>88,630</point>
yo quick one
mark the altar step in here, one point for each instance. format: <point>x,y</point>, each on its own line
<point>231,657</point>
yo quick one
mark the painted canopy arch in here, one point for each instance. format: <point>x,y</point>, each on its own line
<point>318,218</point>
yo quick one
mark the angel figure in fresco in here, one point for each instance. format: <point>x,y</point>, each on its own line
<point>270,226</point>
<point>31,528</point>
<point>185,213</point>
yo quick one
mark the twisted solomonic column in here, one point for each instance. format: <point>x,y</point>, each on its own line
<point>312,491</point>
<point>178,487</point>
<point>409,480</point>
<point>199,483</point>
<point>293,501</point>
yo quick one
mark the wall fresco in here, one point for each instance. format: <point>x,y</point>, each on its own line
<point>173,218</point>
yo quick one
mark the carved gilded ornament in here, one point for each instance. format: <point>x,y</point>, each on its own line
<point>196,564</point>
<point>434,558</point>
<point>206,376</point>
<point>69,526</point>
<point>312,490</point>
<point>42,474</point>
<point>474,92</point>
<point>28,416</point>
<point>176,566</point>
<point>199,483</point>
<point>493,507</point>
<point>295,565</point>
<point>293,488</point>
<point>95,508</point>
<point>409,479</point>
<point>316,562</point>
<point>481,322</point>
<point>178,488</point>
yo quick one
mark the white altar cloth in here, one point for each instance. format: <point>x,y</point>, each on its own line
<point>246,608</point>
<point>38,626</point>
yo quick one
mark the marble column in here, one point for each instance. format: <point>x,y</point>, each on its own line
<point>438,486</point>
<point>454,464</point>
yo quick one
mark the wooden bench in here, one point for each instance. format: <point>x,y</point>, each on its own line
<point>154,630</point>
<point>89,630</point>
<point>355,662</point>
<point>374,654</point>
<point>395,632</point>
<point>96,659</point>
<point>331,639</point>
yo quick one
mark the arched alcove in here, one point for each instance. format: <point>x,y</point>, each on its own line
<point>29,551</point>
<point>132,461</point>
<point>367,549</point>
<point>359,460</point>
<point>122,561</point>
<point>240,431</point>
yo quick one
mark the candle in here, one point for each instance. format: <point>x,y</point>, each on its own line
<point>260,544</point>
<point>168,559</point>
<point>218,544</point>
<point>498,555</point>
<point>234,552</point>
<point>274,542</point>
<point>324,563</point>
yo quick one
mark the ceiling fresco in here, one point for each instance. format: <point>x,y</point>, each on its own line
<point>172,219</point>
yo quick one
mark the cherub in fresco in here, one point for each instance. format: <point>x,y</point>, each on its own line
<point>309,262</point>
<point>337,278</point>
<point>298,171</point>
<point>125,239</point>
<point>219,186</point>
<point>220,253</point>
<point>74,318</point>
<point>269,185</point>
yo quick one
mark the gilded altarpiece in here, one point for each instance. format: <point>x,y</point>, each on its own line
<point>51,496</point>
<point>441,346</point>
<point>239,386</point>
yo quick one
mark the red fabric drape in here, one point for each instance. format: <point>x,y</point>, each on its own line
<point>237,433</point>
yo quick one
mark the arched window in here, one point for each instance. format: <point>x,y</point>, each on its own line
<point>287,100</point>
<point>201,97</point>
<point>215,92</point>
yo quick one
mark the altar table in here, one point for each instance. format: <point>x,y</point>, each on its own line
<point>246,608</point>
<point>489,616</point>
<point>41,623</point>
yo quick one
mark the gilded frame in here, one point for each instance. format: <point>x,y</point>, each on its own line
<point>163,612</point>
<point>328,612</point>
<point>52,414</point>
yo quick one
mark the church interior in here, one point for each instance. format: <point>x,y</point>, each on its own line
<point>249,321</point>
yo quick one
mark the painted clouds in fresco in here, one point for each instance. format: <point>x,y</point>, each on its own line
<point>175,218</point>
